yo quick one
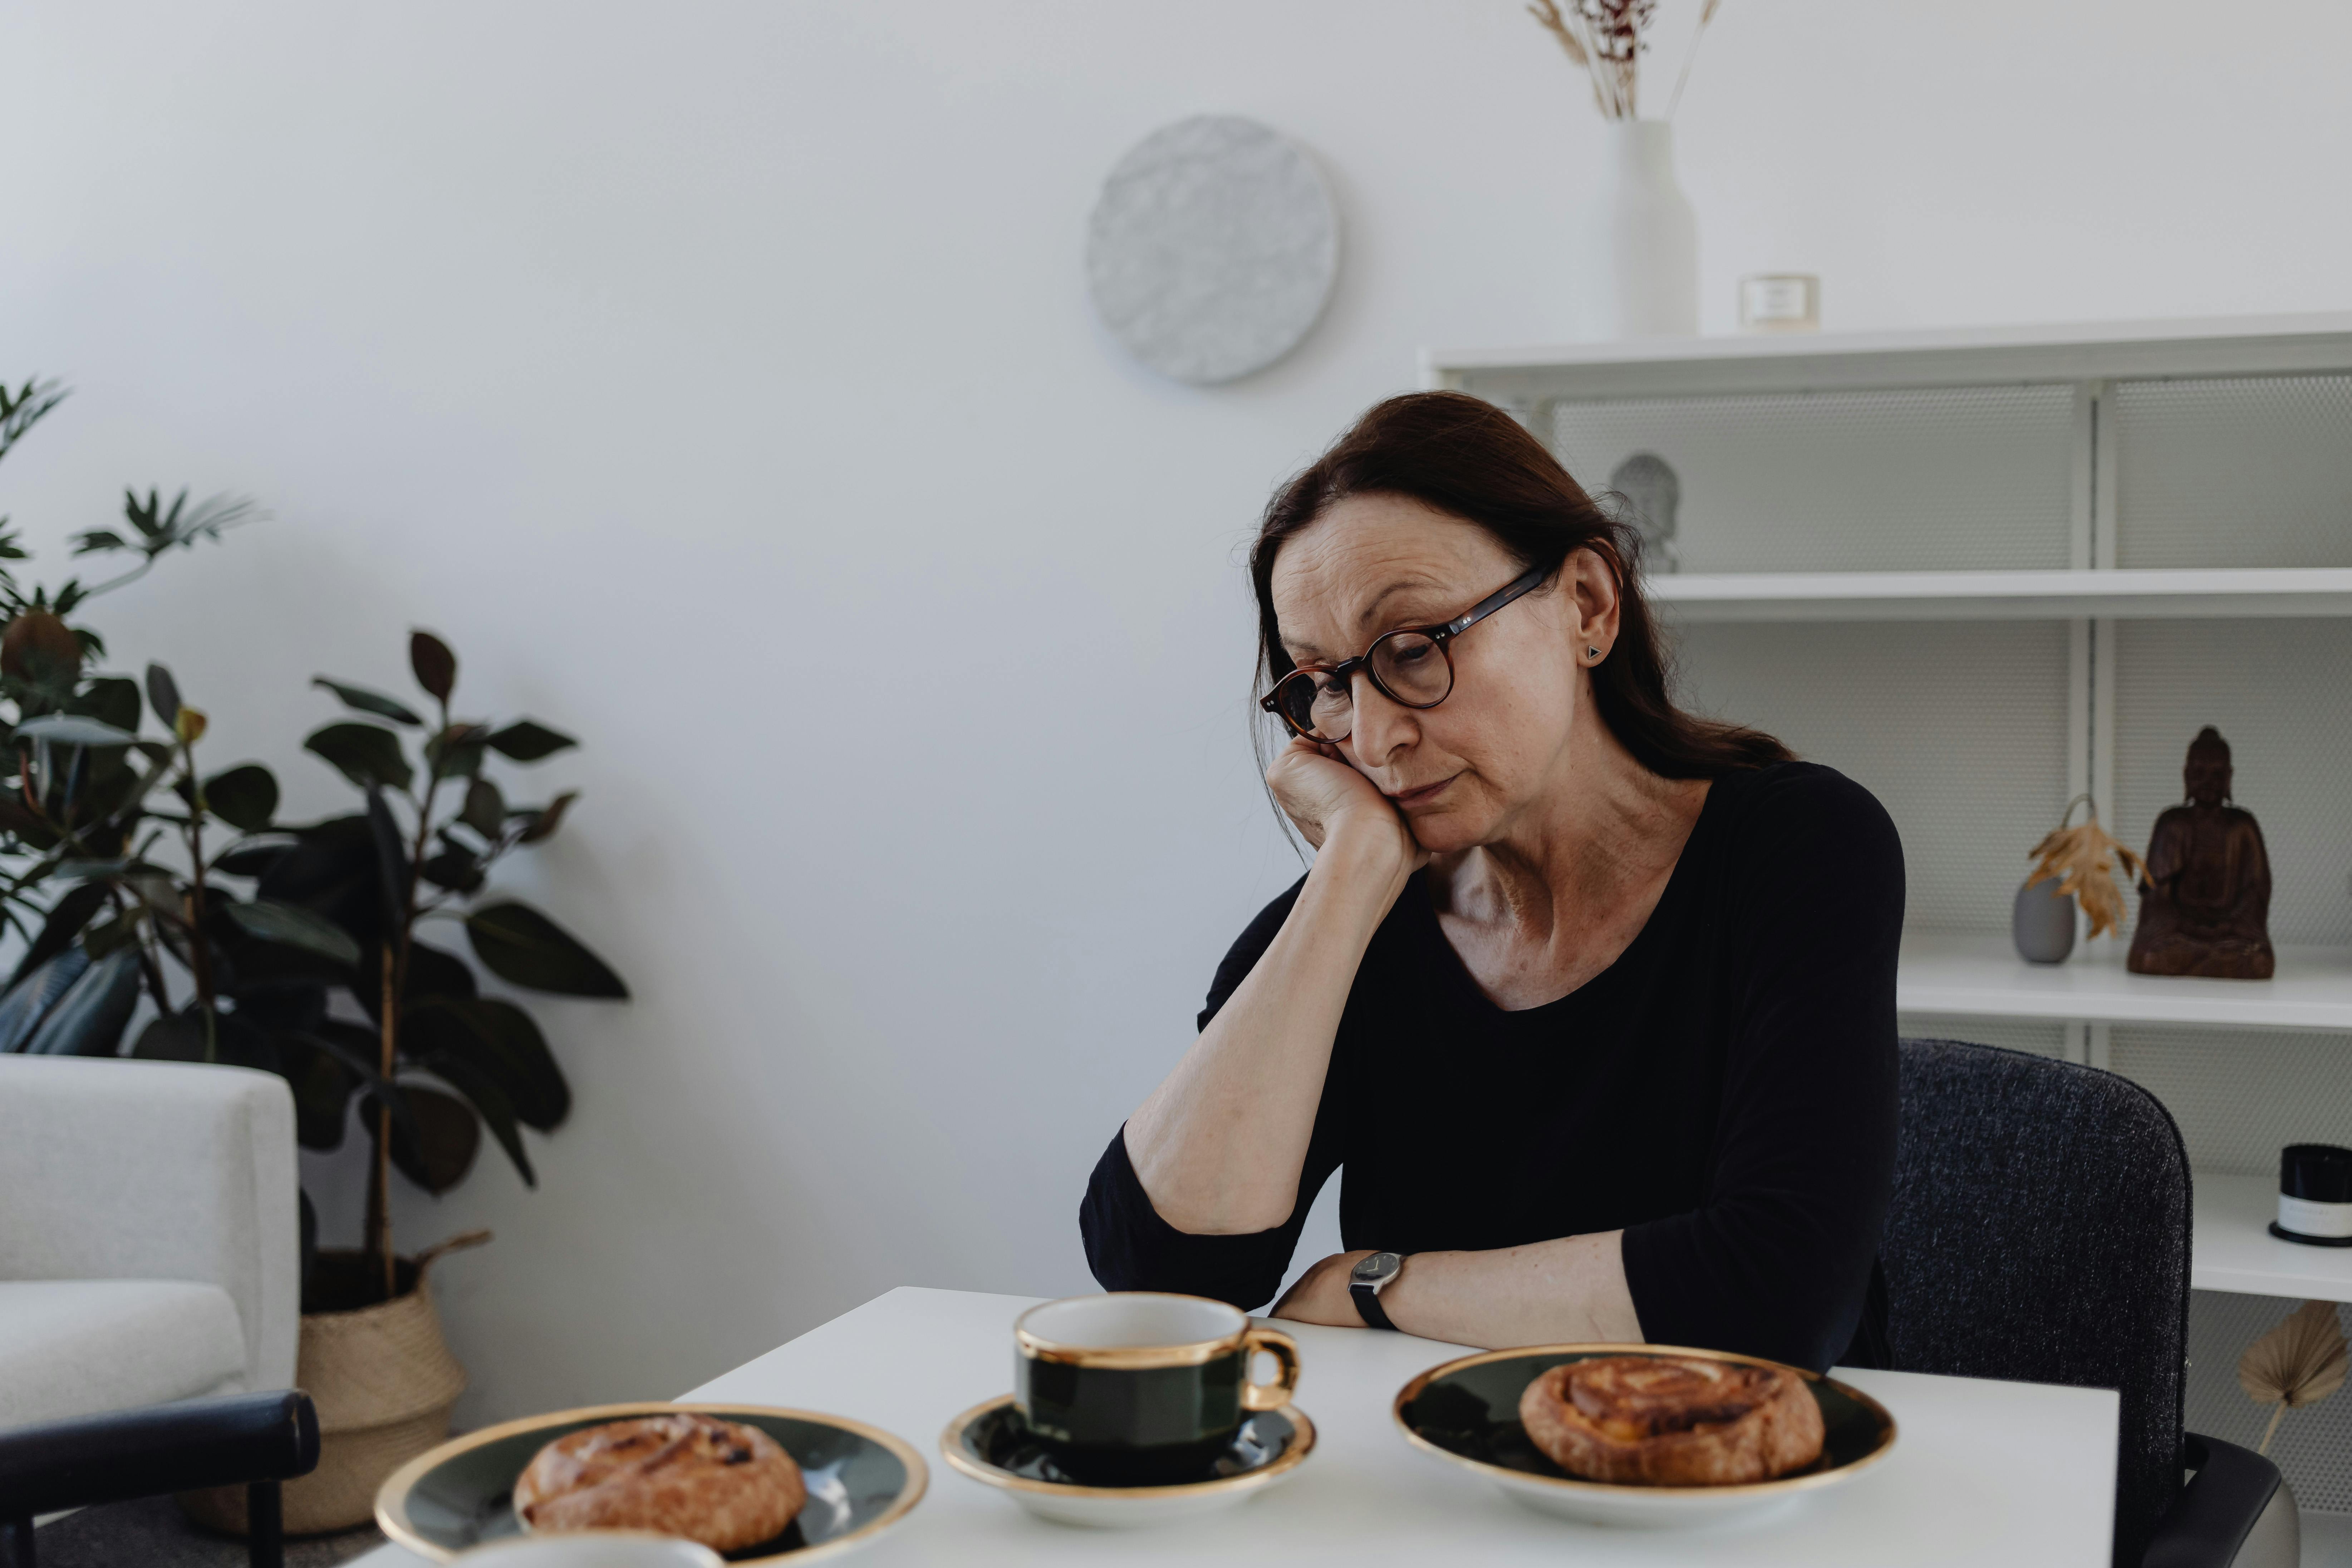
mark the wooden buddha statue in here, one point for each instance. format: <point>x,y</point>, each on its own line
<point>2204,906</point>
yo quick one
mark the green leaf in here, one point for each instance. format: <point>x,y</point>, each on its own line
<point>294,926</point>
<point>89,1019</point>
<point>456,869</point>
<point>544,824</point>
<point>72,730</point>
<point>163,695</point>
<point>245,796</point>
<point>364,753</point>
<point>17,817</point>
<point>501,1040</point>
<point>436,973</point>
<point>107,935</point>
<point>92,871</point>
<point>356,1046</point>
<point>391,860</point>
<point>526,741</point>
<point>250,859</point>
<point>30,999</point>
<point>518,943</point>
<point>435,665</point>
<point>66,920</point>
<point>367,701</point>
<point>440,1150</point>
<point>111,700</point>
<point>485,809</point>
<point>322,1093</point>
<point>457,752</point>
<point>490,1101</point>
<point>175,1037</point>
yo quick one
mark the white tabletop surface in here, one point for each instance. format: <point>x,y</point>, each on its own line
<point>2010,1474</point>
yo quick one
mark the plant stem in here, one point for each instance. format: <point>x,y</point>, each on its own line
<point>380,1178</point>
<point>2268,1432</point>
<point>200,950</point>
<point>397,947</point>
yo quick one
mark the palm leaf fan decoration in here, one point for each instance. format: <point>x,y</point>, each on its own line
<point>2083,858</point>
<point>2300,1362</point>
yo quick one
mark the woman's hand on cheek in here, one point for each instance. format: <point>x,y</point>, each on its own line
<point>1320,1295</point>
<point>1321,793</point>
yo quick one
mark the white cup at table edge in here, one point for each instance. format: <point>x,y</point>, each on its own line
<point>593,1549</point>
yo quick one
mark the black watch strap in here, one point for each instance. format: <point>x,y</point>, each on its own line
<point>1368,1307</point>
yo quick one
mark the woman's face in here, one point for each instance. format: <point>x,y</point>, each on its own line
<point>1465,771</point>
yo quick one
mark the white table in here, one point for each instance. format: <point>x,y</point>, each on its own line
<point>2012,1474</point>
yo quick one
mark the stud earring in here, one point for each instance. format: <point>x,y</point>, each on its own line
<point>1593,653</point>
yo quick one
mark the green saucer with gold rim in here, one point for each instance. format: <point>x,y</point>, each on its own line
<point>861,1480</point>
<point>990,1443</point>
<point>1466,1413</point>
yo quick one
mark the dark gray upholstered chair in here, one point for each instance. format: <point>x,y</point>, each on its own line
<point>2040,1233</point>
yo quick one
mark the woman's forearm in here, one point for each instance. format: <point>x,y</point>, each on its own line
<point>1571,1290</point>
<point>1220,1144</point>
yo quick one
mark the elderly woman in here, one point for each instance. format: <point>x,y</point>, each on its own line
<point>1593,999</point>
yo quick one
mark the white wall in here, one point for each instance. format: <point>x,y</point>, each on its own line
<point>719,379</point>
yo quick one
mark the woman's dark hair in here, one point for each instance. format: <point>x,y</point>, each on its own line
<point>1469,459</point>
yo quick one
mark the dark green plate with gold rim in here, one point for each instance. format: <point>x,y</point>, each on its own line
<point>861,1480</point>
<point>1466,1412</point>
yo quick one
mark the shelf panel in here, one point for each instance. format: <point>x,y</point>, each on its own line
<point>2173,595</point>
<point>2232,1250</point>
<point>1982,976</point>
<point>1669,367</point>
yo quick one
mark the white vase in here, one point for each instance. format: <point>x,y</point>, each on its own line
<point>1645,235</point>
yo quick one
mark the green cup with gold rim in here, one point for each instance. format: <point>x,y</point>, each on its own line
<point>1142,1387</point>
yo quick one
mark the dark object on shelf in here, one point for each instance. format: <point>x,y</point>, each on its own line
<point>2041,922</point>
<point>255,1440</point>
<point>2205,903</point>
<point>2039,1232</point>
<point>1652,495</point>
<point>2315,1195</point>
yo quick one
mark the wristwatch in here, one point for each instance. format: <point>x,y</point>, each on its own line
<point>1367,1279</point>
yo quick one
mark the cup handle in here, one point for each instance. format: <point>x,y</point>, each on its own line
<point>1272,1395</point>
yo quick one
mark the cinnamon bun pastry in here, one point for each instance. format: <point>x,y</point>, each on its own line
<point>717,1482</point>
<point>1672,1421</point>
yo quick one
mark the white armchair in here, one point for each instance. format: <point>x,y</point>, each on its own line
<point>149,1235</point>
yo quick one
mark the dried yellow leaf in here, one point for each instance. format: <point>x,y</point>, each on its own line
<point>2300,1362</point>
<point>2084,857</point>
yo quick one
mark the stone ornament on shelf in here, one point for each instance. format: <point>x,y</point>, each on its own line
<point>2205,900</point>
<point>1212,248</point>
<point>1651,494</point>
<point>2069,862</point>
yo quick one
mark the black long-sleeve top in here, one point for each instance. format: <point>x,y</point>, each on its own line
<point>1724,1092</point>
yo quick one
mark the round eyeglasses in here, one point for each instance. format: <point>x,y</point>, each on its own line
<point>1412,667</point>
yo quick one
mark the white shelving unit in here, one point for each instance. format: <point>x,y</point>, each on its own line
<point>2176,595</point>
<point>1981,977</point>
<point>2236,1252</point>
<point>1985,571</point>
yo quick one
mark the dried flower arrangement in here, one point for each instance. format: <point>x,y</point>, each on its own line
<point>2300,1362</point>
<point>2083,857</point>
<point>1604,37</point>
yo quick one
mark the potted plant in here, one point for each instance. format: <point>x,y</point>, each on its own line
<point>134,874</point>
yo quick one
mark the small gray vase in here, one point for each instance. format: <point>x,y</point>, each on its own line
<point>2041,922</point>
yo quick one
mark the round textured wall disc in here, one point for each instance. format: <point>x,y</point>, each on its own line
<point>1212,248</point>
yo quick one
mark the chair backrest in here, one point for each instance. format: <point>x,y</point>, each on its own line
<point>2039,1232</point>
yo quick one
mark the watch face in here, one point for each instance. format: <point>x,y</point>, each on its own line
<point>1380,1266</point>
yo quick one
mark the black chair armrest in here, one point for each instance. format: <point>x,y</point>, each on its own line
<point>2218,1509</point>
<point>232,1440</point>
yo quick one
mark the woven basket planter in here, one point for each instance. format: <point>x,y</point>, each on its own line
<point>384,1381</point>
